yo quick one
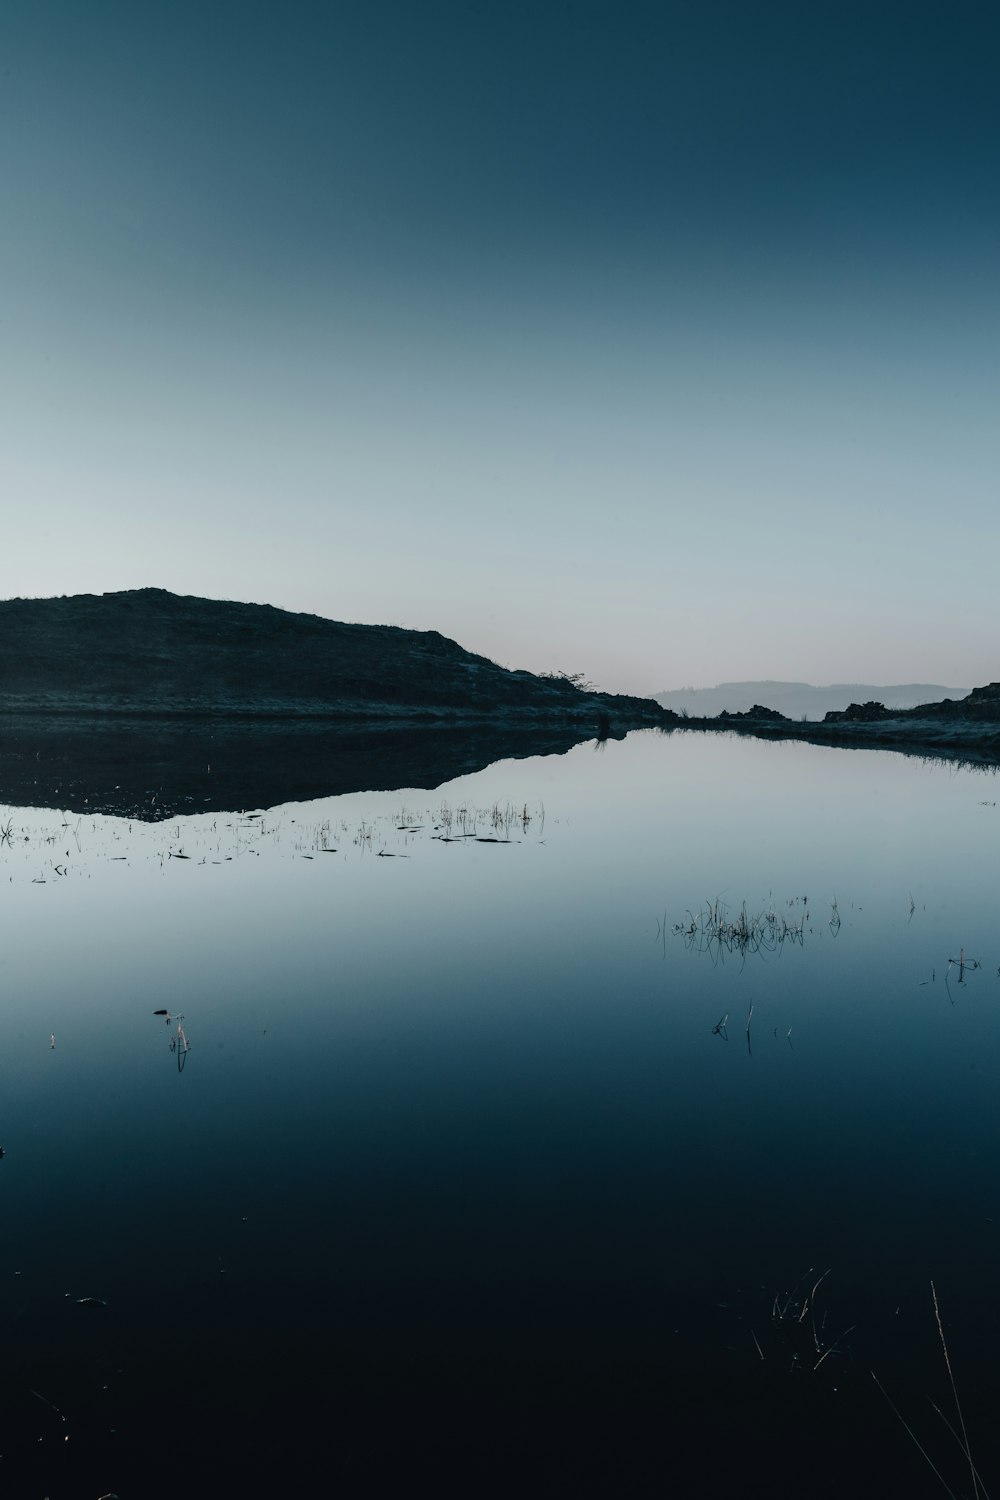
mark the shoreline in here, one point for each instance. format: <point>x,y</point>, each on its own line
<point>150,764</point>
<point>970,740</point>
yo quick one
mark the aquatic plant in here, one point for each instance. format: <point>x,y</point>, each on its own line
<point>714,931</point>
<point>963,965</point>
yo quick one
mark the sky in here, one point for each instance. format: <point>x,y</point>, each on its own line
<point>657,342</point>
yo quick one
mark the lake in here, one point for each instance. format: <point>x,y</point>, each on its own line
<point>593,1123</point>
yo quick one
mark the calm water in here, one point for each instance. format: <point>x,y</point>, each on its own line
<point>455,1171</point>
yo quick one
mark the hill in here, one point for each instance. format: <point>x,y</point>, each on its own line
<point>150,652</point>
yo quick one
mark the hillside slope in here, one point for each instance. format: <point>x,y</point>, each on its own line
<point>150,652</point>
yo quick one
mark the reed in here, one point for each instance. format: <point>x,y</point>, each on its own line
<point>961,1436</point>
<point>954,1392</point>
<point>717,932</point>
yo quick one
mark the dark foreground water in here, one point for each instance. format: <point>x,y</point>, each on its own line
<point>456,1165</point>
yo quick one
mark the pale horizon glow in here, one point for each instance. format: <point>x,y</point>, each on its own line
<point>658,347</point>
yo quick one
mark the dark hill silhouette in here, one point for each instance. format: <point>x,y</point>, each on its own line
<point>147,651</point>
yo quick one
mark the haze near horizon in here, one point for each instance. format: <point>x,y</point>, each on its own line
<point>657,345</point>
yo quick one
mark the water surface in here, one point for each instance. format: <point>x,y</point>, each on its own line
<point>464,1163</point>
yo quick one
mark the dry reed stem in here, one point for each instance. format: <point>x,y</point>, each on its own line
<point>834,1347</point>
<point>812,1295</point>
<point>913,1437</point>
<point>954,1392</point>
<point>958,1440</point>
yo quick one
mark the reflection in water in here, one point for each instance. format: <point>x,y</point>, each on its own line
<point>152,770</point>
<point>179,1044</point>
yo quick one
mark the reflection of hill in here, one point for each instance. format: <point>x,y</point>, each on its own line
<point>153,769</point>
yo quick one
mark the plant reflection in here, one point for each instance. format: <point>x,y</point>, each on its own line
<point>179,1044</point>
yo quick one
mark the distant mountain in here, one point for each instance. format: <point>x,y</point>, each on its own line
<point>798,699</point>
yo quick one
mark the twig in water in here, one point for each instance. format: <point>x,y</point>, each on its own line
<point>52,1407</point>
<point>961,963</point>
<point>954,1392</point>
<point>834,1346</point>
<point>812,1294</point>
<point>912,1436</point>
<point>779,1314</point>
<point>749,1019</point>
<point>958,1440</point>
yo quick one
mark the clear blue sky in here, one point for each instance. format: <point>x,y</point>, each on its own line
<point>654,341</point>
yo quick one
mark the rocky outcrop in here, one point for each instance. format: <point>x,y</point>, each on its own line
<point>758,714</point>
<point>863,713</point>
<point>982,705</point>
